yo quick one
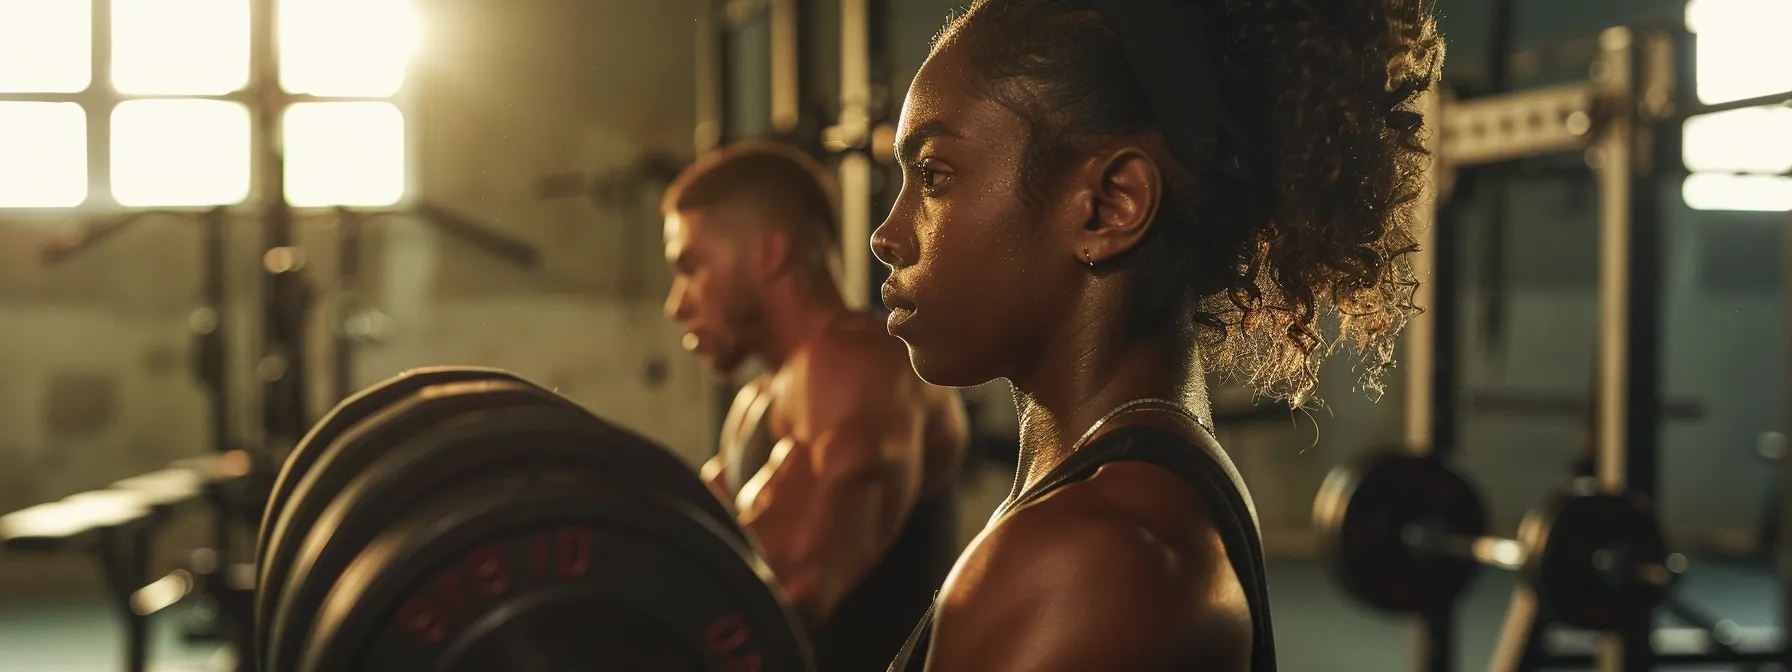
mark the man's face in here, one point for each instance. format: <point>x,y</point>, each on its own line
<point>712,293</point>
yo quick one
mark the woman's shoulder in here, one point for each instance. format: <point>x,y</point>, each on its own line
<point>1081,569</point>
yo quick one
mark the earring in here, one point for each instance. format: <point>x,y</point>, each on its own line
<point>1090,262</point>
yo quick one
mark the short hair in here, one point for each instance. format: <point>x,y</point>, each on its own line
<point>779,179</point>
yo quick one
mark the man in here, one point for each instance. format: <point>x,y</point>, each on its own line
<point>839,459</point>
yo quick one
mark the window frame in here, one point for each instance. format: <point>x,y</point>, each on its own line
<point>100,99</point>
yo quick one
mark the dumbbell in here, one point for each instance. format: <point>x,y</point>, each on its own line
<point>1407,533</point>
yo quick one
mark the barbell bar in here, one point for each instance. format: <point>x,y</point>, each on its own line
<point>1407,533</point>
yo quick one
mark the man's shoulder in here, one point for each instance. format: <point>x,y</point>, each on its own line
<point>858,349</point>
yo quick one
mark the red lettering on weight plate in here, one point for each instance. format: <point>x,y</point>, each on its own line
<point>422,617</point>
<point>727,634</point>
<point>725,639</point>
<point>572,556</point>
<point>538,555</point>
<point>490,576</point>
<point>447,587</point>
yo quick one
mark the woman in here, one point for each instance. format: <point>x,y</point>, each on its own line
<point>1104,200</point>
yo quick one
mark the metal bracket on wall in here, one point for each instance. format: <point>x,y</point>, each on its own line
<point>1516,125</point>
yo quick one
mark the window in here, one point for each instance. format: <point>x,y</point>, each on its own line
<point>1741,48</point>
<point>344,154</point>
<point>1741,158</point>
<point>345,48</point>
<point>175,151</point>
<point>46,46</point>
<point>43,154</point>
<point>180,47</point>
<point>168,120</point>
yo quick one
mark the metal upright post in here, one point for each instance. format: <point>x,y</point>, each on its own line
<point>1629,341</point>
<point>349,227</point>
<point>1785,486</point>
<point>851,136</point>
<point>1429,409</point>
<point>1497,187</point>
<point>285,295</point>
<point>715,114</point>
<point>207,324</point>
<point>712,92</point>
<point>786,74</point>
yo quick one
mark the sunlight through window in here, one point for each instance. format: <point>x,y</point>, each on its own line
<point>46,46</point>
<point>1717,191</point>
<point>346,48</point>
<point>43,155</point>
<point>1742,49</point>
<point>186,47</point>
<point>180,153</point>
<point>344,154</point>
<point>1752,140</point>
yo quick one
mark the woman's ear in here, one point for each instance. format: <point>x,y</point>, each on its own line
<point>1124,187</point>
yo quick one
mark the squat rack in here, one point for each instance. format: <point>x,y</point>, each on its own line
<point>1626,118</point>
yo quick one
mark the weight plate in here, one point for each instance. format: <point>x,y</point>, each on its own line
<point>554,571</point>
<point>1596,558</point>
<point>1363,512</point>
<point>475,444</point>
<point>352,410</point>
<point>355,448</point>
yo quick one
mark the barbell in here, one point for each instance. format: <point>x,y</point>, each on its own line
<point>1407,533</point>
<point>466,519</point>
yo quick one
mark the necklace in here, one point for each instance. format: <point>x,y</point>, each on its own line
<point>1162,404</point>
<point>1156,403</point>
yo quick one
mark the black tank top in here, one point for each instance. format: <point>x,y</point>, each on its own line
<point>868,625</point>
<point>1208,470</point>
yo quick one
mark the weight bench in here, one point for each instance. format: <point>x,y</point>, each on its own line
<point>117,524</point>
<point>211,573</point>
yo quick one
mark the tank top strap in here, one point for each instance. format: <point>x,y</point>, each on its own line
<point>1207,468</point>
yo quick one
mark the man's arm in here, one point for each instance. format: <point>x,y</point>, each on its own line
<point>825,511</point>
<point>1071,590</point>
<point>714,471</point>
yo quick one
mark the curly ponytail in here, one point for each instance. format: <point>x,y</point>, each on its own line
<point>1273,273</point>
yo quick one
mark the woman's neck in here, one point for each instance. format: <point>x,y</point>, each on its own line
<point>1057,406</point>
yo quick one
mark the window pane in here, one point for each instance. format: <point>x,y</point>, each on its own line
<point>1716,191</point>
<point>344,154</point>
<point>189,47</point>
<point>180,152</point>
<point>346,47</point>
<point>1741,48</point>
<point>43,155</point>
<point>46,46</point>
<point>1752,140</point>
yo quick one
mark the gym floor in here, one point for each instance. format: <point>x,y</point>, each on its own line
<point>1318,628</point>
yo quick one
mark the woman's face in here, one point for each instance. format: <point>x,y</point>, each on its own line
<point>976,275</point>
